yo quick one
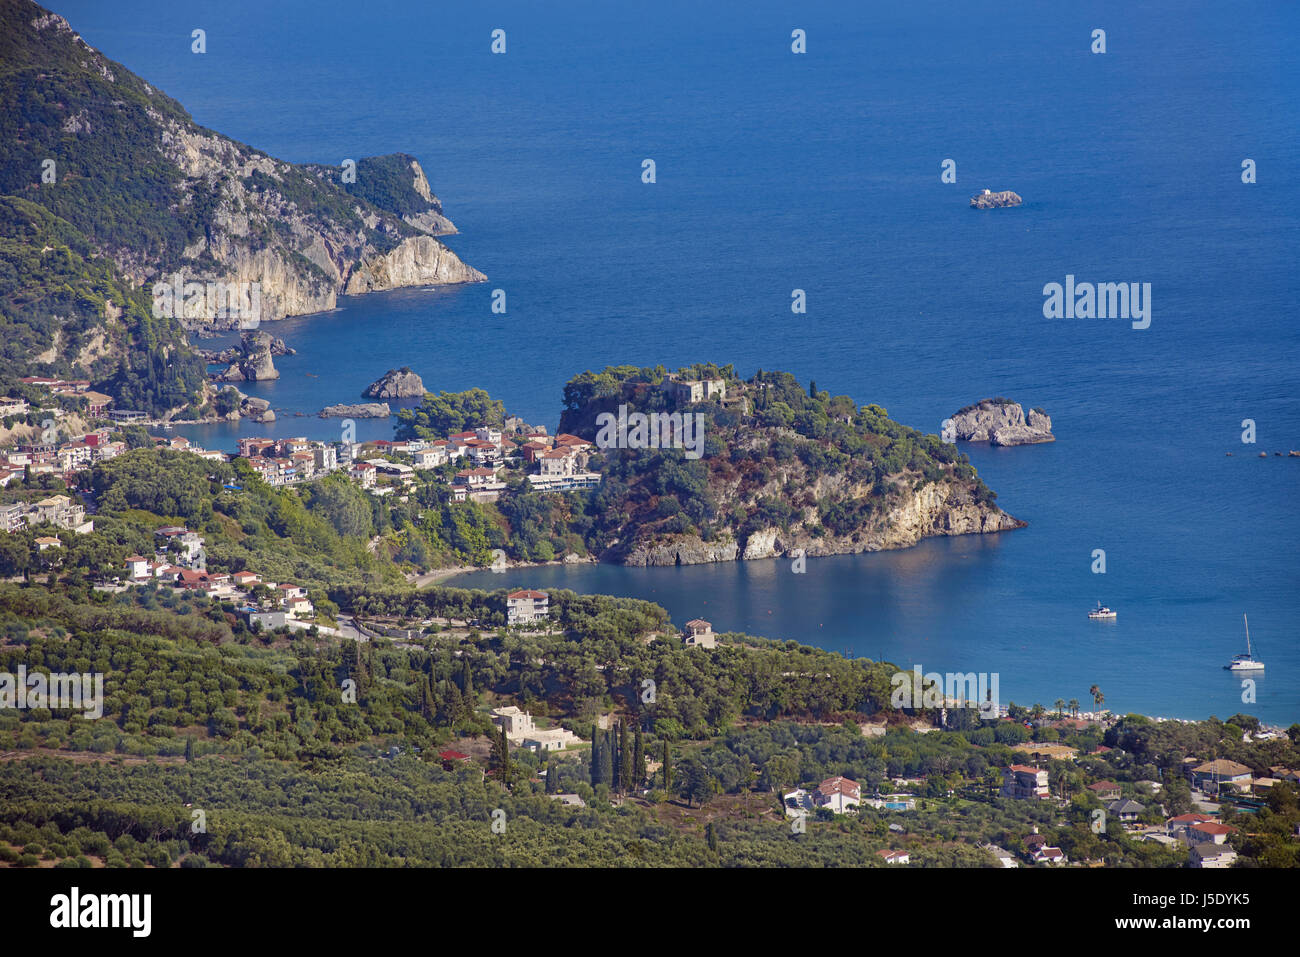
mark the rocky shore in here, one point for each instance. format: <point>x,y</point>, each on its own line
<point>934,510</point>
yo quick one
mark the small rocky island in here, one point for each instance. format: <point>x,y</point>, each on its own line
<point>991,200</point>
<point>396,384</point>
<point>364,410</point>
<point>1002,422</point>
<point>251,362</point>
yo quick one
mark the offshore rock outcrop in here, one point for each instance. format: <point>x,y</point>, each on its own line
<point>254,364</point>
<point>256,410</point>
<point>364,410</point>
<point>1002,422</point>
<point>991,200</point>
<point>396,384</point>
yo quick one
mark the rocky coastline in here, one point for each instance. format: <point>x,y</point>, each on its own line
<point>934,510</point>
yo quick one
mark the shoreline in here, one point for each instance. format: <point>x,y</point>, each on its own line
<point>438,576</point>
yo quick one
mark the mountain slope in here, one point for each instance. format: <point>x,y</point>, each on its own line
<point>154,195</point>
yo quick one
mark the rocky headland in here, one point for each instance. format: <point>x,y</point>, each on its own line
<point>164,227</point>
<point>935,510</point>
<point>783,473</point>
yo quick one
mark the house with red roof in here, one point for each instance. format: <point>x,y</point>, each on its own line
<point>526,606</point>
<point>1049,855</point>
<point>1208,832</point>
<point>838,794</point>
<point>1024,783</point>
<point>1105,790</point>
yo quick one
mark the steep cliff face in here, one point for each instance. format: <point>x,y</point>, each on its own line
<point>295,231</point>
<point>1002,422</point>
<point>417,261</point>
<point>934,510</point>
<point>167,201</point>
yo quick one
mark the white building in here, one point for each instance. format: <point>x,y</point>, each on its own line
<point>838,794</point>
<point>525,607</point>
<point>1024,783</point>
<point>698,633</point>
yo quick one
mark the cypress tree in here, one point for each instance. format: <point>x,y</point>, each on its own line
<point>638,759</point>
<point>712,837</point>
<point>595,758</point>
<point>607,759</point>
<point>502,750</point>
<point>616,753</point>
<point>625,763</point>
<point>668,769</point>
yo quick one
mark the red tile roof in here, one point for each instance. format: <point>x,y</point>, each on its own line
<point>839,785</point>
<point>1213,827</point>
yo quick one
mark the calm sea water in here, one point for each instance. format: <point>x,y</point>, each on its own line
<point>822,172</point>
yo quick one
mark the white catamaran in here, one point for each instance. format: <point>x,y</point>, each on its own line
<point>1245,662</point>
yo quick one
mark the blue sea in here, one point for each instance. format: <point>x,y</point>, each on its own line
<point>777,171</point>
